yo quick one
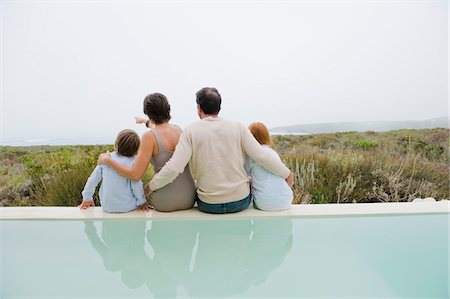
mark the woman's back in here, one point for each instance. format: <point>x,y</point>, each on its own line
<point>181,193</point>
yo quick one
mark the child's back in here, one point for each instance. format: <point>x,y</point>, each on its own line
<point>117,193</point>
<point>270,192</point>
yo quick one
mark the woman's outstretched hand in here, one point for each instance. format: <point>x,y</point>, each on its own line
<point>148,123</point>
<point>103,158</point>
<point>140,120</point>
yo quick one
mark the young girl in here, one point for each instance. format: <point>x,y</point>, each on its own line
<point>117,193</point>
<point>270,192</point>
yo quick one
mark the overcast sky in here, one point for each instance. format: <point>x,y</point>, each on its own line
<point>81,69</point>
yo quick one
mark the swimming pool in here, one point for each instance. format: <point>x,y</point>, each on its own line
<point>359,256</point>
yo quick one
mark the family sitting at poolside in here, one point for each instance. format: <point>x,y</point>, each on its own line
<point>219,164</point>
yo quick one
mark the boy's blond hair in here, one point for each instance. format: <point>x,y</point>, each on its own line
<point>127,143</point>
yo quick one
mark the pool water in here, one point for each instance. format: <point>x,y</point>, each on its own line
<point>351,257</point>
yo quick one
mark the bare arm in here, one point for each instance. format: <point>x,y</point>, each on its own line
<point>143,157</point>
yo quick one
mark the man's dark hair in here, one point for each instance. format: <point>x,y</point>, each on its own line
<point>209,100</point>
<point>127,143</point>
<point>157,108</point>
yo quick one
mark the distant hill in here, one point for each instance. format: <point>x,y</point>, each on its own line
<point>378,126</point>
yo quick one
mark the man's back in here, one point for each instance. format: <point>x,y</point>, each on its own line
<point>217,162</point>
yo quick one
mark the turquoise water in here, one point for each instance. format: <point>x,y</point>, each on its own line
<point>357,257</point>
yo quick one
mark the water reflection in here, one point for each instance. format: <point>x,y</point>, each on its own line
<point>206,258</point>
<point>121,247</point>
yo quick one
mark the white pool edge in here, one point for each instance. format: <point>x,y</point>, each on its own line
<point>74,213</point>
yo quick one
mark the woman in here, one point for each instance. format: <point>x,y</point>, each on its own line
<point>157,147</point>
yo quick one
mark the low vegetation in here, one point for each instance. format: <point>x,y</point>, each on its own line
<point>329,168</point>
<point>48,175</point>
<point>368,167</point>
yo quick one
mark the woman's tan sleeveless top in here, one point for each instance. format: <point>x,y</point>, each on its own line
<point>178,195</point>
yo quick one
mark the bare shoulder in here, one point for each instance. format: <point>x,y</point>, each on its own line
<point>177,127</point>
<point>148,137</point>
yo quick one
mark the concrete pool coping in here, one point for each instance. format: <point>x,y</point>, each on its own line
<point>74,213</point>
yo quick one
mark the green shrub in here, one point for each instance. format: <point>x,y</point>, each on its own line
<point>434,151</point>
<point>65,188</point>
<point>325,141</point>
<point>363,144</point>
<point>320,196</point>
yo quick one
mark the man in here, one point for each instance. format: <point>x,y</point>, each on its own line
<point>216,150</point>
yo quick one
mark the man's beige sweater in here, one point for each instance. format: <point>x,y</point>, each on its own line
<point>216,149</point>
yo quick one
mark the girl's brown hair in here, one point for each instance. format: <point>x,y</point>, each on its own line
<point>261,133</point>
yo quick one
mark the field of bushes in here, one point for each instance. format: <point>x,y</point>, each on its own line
<point>329,168</point>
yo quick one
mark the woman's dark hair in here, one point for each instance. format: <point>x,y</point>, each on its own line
<point>127,143</point>
<point>157,108</point>
<point>209,100</point>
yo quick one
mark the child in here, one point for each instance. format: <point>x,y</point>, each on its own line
<point>270,192</point>
<point>117,193</point>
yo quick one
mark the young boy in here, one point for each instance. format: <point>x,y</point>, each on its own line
<point>117,193</point>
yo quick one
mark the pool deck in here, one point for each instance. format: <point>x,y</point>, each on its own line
<point>421,207</point>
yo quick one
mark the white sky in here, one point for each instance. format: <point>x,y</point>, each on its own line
<point>76,69</point>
